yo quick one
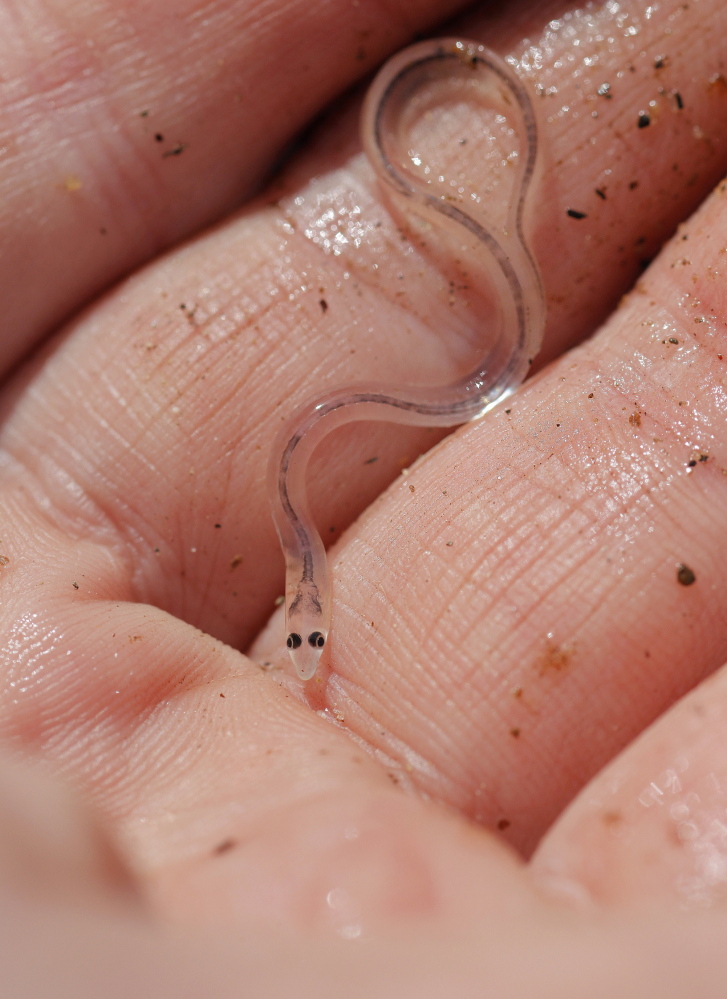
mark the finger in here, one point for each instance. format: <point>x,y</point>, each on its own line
<point>571,954</point>
<point>125,131</point>
<point>650,829</point>
<point>199,359</point>
<point>229,799</point>
<point>558,583</point>
<point>654,958</point>
<point>50,847</point>
<point>633,136</point>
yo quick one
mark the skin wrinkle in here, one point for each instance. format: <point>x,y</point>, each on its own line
<point>684,734</point>
<point>116,186</point>
<point>359,178</point>
<point>495,571</point>
<point>56,520</point>
<point>110,219</point>
<point>99,491</point>
<point>93,499</point>
<point>643,152</point>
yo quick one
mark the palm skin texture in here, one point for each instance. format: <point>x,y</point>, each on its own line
<point>509,776</point>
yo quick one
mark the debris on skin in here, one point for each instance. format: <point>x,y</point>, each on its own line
<point>4,560</point>
<point>685,575</point>
<point>224,847</point>
<point>555,659</point>
<point>279,601</point>
<point>175,150</point>
<point>601,192</point>
<point>635,419</point>
<point>605,91</point>
<point>237,560</point>
<point>323,304</point>
<point>268,667</point>
<point>697,457</point>
<point>644,120</point>
<point>572,213</point>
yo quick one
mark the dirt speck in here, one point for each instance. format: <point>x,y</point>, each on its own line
<point>176,150</point>
<point>555,659</point>
<point>234,562</point>
<point>635,419</point>
<point>224,847</point>
<point>685,575</point>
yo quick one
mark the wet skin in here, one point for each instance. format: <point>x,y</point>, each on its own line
<point>539,598</point>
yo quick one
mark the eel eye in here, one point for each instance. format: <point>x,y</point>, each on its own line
<point>316,640</point>
<point>294,641</point>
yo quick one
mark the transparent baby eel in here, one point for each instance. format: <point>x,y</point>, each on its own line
<point>512,272</point>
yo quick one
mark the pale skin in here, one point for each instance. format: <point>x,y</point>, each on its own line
<point>511,616</point>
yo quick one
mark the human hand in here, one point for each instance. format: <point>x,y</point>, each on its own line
<point>493,676</point>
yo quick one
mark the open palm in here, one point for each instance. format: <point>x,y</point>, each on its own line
<point>511,615</point>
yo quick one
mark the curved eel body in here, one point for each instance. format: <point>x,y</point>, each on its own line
<point>511,347</point>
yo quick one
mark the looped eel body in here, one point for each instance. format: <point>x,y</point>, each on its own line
<point>510,349</point>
